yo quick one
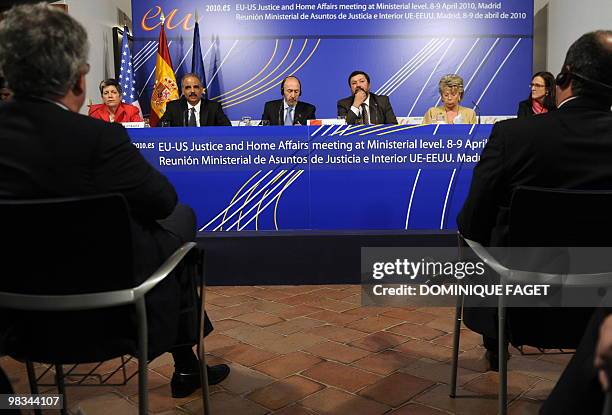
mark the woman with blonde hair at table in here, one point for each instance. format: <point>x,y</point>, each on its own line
<point>451,93</point>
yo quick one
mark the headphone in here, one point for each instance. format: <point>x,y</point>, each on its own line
<point>283,85</point>
<point>562,80</point>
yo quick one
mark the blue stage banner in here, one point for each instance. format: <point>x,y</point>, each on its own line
<point>318,178</point>
<point>406,46</point>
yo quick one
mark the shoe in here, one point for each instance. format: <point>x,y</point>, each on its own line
<point>493,360</point>
<point>184,384</point>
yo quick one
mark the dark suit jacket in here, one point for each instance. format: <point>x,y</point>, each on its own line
<point>524,109</point>
<point>381,111</point>
<point>47,151</point>
<point>211,113</point>
<point>274,112</point>
<point>567,149</point>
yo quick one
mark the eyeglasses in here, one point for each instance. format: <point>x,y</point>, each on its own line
<point>534,85</point>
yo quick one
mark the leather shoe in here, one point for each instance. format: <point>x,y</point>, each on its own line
<point>185,383</point>
<point>493,360</point>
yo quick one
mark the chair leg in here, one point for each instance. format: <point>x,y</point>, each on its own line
<point>32,381</point>
<point>503,363</point>
<point>143,398</point>
<point>200,347</point>
<point>61,387</point>
<point>456,337</point>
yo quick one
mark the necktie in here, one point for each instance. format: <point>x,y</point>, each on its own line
<point>364,114</point>
<point>192,119</point>
<point>289,116</point>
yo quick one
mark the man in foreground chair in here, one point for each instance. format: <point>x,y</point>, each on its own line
<point>49,150</point>
<point>565,149</point>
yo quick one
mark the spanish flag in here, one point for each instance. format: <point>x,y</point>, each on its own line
<point>165,88</point>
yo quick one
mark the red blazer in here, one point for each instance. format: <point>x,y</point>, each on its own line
<point>125,113</point>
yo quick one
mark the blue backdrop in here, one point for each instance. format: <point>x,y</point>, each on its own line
<point>406,46</point>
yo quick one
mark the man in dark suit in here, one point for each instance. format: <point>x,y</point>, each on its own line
<point>47,149</point>
<point>289,110</point>
<point>363,106</point>
<point>566,149</point>
<point>190,110</point>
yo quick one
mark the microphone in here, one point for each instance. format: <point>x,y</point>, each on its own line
<point>281,120</point>
<point>477,108</point>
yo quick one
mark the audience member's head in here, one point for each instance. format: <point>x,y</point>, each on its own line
<point>43,52</point>
<point>543,89</point>
<point>5,92</point>
<point>588,68</point>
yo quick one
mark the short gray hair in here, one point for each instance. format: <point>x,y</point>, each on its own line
<point>43,50</point>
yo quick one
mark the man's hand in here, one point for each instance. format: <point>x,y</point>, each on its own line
<point>360,97</point>
<point>603,352</point>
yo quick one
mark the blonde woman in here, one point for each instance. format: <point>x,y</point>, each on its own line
<point>451,93</point>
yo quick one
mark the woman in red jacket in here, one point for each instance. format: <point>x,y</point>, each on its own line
<point>113,109</point>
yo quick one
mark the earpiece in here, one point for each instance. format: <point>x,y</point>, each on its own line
<point>563,79</point>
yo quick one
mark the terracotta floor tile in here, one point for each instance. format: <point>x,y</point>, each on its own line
<point>332,317</point>
<point>294,342</point>
<point>336,351</point>
<point>216,341</point>
<point>354,299</point>
<point>488,384</point>
<point>467,340</point>
<point>255,336</point>
<point>442,323</point>
<point>474,360</point>
<point>257,318</point>
<point>416,331</point>
<point>295,325</point>
<point>229,312</point>
<point>9,364</point>
<point>341,376</point>
<point>534,367</point>
<point>416,409</point>
<point>288,364</point>
<point>222,301</point>
<point>439,311</point>
<point>242,379</point>
<point>270,295</point>
<point>385,362</point>
<point>272,307</point>
<point>107,403</point>
<point>335,402</point>
<point>410,316</point>
<point>560,359</point>
<point>335,333</point>
<point>224,403</point>
<point>224,325</point>
<point>154,380</point>
<point>540,390</point>
<point>160,399</point>
<point>231,290</point>
<point>524,407</point>
<point>466,402</point>
<point>330,304</point>
<point>364,312</point>
<point>378,342</point>
<point>247,355</point>
<point>373,324</point>
<point>295,410</point>
<point>283,392</point>
<point>299,299</point>
<point>297,311</point>
<point>336,294</point>
<point>439,372</point>
<point>426,349</point>
<point>396,389</point>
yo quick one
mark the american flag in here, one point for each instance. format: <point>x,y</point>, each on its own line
<point>126,73</point>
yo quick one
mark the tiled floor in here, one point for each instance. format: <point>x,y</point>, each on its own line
<point>304,350</point>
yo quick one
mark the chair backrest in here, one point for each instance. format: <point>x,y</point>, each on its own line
<point>541,217</point>
<point>557,217</point>
<point>65,246</point>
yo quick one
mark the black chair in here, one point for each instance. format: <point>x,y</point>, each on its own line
<point>68,280</point>
<point>541,217</point>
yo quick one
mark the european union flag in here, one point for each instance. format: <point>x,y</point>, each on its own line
<point>197,63</point>
<point>126,73</point>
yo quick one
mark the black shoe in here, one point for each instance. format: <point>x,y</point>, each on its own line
<point>493,360</point>
<point>184,384</point>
